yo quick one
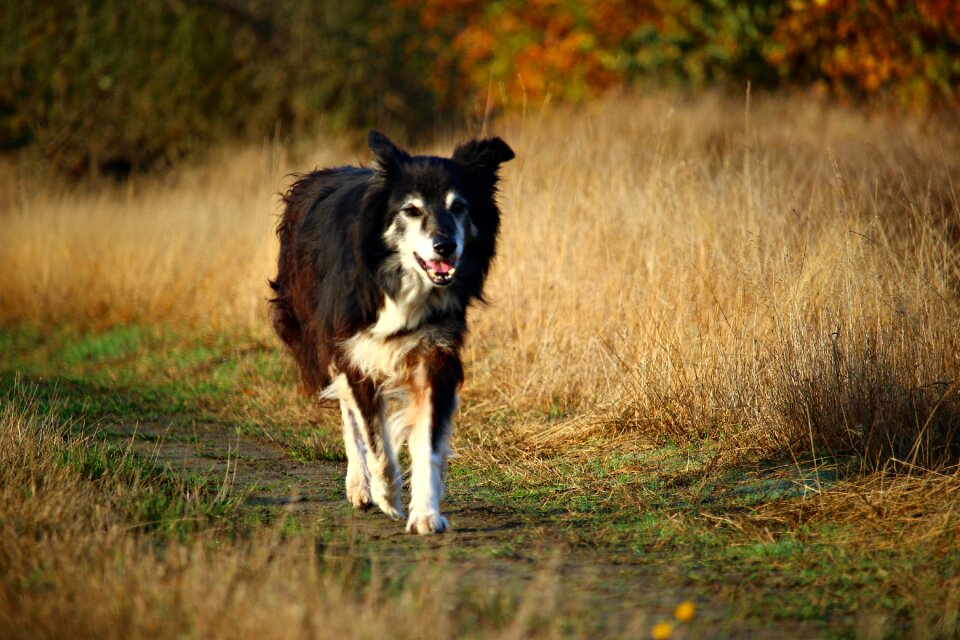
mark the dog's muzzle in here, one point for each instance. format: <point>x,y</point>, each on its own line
<point>439,270</point>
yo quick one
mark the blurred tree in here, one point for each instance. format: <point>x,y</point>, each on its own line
<point>109,87</point>
<point>910,48</point>
<point>573,49</point>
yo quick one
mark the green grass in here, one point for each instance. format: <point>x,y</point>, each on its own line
<point>645,502</point>
<point>665,507</point>
<point>112,518</point>
<point>158,501</point>
<point>140,373</point>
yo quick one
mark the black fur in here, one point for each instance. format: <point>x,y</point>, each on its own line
<point>340,261</point>
<point>333,271</point>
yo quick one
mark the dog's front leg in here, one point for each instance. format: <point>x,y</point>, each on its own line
<point>381,462</point>
<point>434,403</point>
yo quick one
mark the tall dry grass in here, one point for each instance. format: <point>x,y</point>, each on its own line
<point>769,272</point>
<point>193,249</point>
<point>783,273</point>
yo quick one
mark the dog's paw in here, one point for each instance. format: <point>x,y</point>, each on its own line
<point>358,493</point>
<point>427,522</point>
<point>387,497</point>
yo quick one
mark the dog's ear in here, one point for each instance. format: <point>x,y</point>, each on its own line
<point>482,155</point>
<point>387,156</point>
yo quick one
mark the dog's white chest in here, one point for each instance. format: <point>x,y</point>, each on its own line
<point>381,351</point>
<point>381,357</point>
<point>402,315</point>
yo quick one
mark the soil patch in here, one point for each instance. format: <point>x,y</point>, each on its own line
<point>489,545</point>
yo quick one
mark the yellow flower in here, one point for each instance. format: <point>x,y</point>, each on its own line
<point>685,611</point>
<point>662,631</point>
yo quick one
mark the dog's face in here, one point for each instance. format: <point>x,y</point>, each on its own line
<point>436,206</point>
<point>429,230</point>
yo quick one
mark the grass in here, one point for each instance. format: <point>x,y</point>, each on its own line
<point>799,539</point>
<point>97,543</point>
<point>721,338</point>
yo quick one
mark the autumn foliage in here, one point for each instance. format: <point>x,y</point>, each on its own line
<point>113,87</point>
<point>573,49</point>
<point>849,47</point>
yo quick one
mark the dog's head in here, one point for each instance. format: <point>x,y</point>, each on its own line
<point>441,216</point>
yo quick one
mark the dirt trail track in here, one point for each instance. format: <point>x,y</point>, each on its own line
<point>487,545</point>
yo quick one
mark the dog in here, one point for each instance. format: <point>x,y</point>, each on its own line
<point>377,268</point>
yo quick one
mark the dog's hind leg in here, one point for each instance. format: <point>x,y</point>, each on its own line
<point>380,462</point>
<point>358,476</point>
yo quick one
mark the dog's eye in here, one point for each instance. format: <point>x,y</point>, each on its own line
<point>412,210</point>
<point>457,206</point>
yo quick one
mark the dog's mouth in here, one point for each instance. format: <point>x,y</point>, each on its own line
<point>440,272</point>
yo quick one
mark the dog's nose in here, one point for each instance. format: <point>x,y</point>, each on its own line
<point>444,247</point>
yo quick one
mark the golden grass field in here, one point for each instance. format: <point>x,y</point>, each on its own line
<point>764,278</point>
<point>677,267</point>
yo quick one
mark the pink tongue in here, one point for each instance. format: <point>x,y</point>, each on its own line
<point>438,266</point>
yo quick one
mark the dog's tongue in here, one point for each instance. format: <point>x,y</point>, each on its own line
<point>439,266</point>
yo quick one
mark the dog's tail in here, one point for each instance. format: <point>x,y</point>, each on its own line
<point>300,337</point>
<point>302,343</point>
<point>285,320</point>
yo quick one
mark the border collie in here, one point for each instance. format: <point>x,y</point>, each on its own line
<point>377,268</point>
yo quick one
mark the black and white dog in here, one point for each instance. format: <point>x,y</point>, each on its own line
<point>377,268</point>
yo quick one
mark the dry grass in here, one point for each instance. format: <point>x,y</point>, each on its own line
<point>194,249</point>
<point>691,269</point>
<point>78,560</point>
<point>894,509</point>
<point>763,281</point>
<point>779,273</point>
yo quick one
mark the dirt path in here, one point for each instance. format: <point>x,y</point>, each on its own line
<point>488,545</point>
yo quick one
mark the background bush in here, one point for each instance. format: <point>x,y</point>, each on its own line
<point>111,87</point>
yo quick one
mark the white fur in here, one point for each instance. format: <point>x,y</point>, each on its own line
<point>413,200</point>
<point>379,353</point>
<point>358,476</point>
<point>427,467</point>
<point>400,423</point>
<point>415,241</point>
<point>375,479</point>
<point>453,196</point>
<point>370,350</point>
<point>371,477</point>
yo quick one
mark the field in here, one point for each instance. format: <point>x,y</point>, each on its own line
<point>719,364</point>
